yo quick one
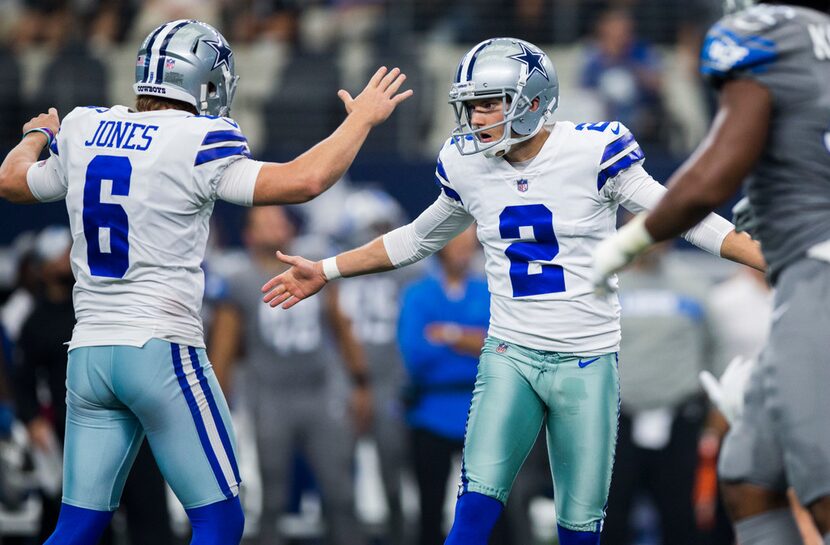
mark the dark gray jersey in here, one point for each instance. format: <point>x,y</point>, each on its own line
<point>284,350</point>
<point>372,304</point>
<point>787,50</point>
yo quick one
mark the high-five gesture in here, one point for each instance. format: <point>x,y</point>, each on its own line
<point>380,97</point>
<point>302,280</point>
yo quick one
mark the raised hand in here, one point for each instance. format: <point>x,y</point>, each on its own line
<point>379,98</point>
<point>48,120</point>
<point>302,280</point>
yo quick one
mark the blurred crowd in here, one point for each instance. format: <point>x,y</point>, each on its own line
<point>629,59</point>
<point>351,407</point>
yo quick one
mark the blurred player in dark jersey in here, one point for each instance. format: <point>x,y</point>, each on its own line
<point>770,63</point>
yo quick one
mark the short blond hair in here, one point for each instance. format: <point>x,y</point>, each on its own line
<point>148,103</point>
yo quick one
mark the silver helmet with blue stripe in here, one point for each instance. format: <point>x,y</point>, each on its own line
<point>190,61</point>
<point>514,70</point>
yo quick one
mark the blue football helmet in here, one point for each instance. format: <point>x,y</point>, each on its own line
<point>190,61</point>
<point>518,73</point>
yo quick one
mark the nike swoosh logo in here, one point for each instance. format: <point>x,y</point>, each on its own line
<point>586,363</point>
<point>616,128</point>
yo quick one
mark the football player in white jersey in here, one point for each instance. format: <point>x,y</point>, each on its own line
<point>542,197</point>
<point>139,187</point>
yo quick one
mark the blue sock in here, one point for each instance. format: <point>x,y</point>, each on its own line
<point>475,516</point>
<point>219,523</point>
<point>79,526</point>
<point>572,537</point>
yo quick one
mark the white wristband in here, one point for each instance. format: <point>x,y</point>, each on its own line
<point>330,270</point>
<point>633,237</point>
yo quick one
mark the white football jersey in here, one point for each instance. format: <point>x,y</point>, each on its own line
<point>139,189</point>
<point>539,227</point>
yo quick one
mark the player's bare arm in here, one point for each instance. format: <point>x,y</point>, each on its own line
<point>741,248</point>
<point>305,277</point>
<point>13,185</point>
<point>721,163</point>
<point>224,346</point>
<point>320,167</point>
<point>354,358</point>
<point>707,179</point>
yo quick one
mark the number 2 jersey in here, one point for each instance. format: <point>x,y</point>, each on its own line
<point>539,226</point>
<point>787,50</point>
<point>139,189</point>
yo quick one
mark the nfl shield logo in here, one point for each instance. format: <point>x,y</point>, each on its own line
<point>169,63</point>
<point>501,348</point>
<point>521,184</point>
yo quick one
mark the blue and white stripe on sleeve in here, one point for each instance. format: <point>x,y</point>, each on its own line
<point>619,155</point>
<point>444,183</point>
<point>224,144</point>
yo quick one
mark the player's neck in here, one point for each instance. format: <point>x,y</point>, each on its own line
<point>527,150</point>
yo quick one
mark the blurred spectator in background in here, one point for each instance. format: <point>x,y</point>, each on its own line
<point>11,100</point>
<point>443,322</point>
<point>288,360</point>
<point>74,75</point>
<point>41,366</point>
<point>154,12</point>
<point>21,300</point>
<point>373,305</point>
<point>303,109</point>
<point>625,73</point>
<point>666,343</point>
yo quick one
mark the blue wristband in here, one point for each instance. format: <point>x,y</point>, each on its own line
<point>47,132</point>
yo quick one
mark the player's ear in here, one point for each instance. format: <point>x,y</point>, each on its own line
<point>534,105</point>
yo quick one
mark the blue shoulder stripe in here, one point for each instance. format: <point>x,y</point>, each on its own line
<point>451,193</point>
<point>724,51</point>
<point>439,169</point>
<point>617,146</point>
<point>621,164</point>
<point>54,146</point>
<point>205,156</point>
<point>214,137</point>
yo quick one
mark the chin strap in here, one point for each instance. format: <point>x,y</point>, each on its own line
<point>504,147</point>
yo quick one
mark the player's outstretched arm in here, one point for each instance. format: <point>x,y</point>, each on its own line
<point>305,278</point>
<point>13,184</point>
<point>427,234</point>
<point>320,167</point>
<point>706,180</point>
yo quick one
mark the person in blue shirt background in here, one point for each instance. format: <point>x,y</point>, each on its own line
<point>442,325</point>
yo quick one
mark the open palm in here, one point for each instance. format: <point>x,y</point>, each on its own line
<point>302,280</point>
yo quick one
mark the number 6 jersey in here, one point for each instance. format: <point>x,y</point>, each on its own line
<point>539,225</point>
<point>139,190</point>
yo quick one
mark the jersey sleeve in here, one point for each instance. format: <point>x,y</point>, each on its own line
<point>46,179</point>
<point>442,180</point>
<point>221,145</point>
<point>620,152</point>
<point>753,44</point>
<point>427,234</point>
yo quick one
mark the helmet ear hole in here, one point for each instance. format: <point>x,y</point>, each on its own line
<point>211,88</point>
